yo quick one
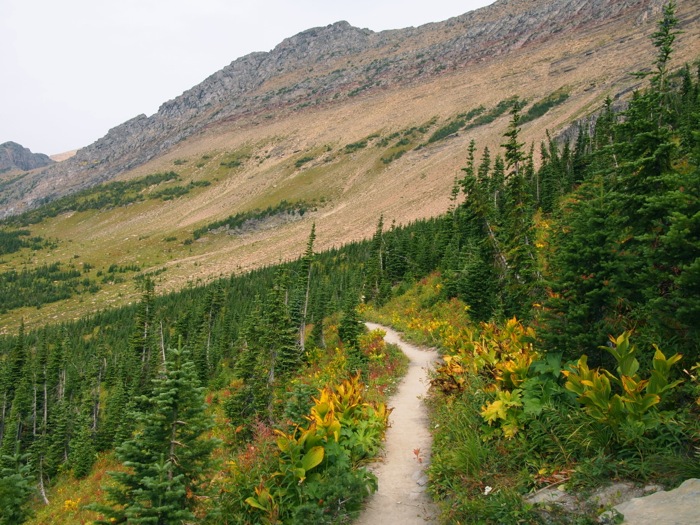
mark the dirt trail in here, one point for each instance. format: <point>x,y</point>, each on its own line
<point>401,498</point>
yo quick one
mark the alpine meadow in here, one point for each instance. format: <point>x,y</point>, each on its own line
<point>183,302</point>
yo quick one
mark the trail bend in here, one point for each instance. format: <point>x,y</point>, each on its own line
<point>401,498</point>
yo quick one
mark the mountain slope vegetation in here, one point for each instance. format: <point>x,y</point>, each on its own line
<point>313,153</point>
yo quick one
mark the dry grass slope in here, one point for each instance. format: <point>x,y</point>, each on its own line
<point>262,159</point>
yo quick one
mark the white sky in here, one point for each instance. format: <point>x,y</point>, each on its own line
<point>72,69</point>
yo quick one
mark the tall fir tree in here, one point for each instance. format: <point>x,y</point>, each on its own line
<point>522,275</point>
<point>9,374</point>
<point>305,287</point>
<point>144,358</point>
<point>16,490</point>
<point>280,338</point>
<point>376,264</point>
<point>169,456</point>
<point>83,451</point>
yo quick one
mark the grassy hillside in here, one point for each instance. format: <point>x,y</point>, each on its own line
<point>393,152</point>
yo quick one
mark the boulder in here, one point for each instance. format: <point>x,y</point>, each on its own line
<point>680,506</point>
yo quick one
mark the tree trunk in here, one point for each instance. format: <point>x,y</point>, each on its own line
<point>302,327</point>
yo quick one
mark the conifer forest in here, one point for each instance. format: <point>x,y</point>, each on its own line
<point>562,288</point>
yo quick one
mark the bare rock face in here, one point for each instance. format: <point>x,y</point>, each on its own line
<point>16,157</point>
<point>321,66</point>
<point>680,506</point>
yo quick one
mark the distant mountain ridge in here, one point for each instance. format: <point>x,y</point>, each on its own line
<point>14,156</point>
<point>319,67</point>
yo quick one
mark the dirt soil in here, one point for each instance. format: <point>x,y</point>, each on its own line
<point>401,497</point>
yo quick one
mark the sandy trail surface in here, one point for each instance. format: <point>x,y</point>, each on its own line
<point>401,498</point>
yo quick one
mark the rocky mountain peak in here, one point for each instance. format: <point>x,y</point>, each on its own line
<point>337,39</point>
<point>13,156</point>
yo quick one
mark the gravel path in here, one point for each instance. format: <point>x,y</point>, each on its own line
<point>401,498</point>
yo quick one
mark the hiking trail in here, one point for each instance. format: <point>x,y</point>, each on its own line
<point>401,498</point>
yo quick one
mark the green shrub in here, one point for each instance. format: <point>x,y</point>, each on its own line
<point>450,128</point>
<point>541,107</point>
<point>300,162</point>
<point>351,148</point>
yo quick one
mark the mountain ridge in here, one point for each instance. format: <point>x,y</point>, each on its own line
<point>279,79</point>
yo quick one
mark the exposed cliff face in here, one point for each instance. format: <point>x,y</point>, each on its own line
<point>16,157</point>
<point>322,66</point>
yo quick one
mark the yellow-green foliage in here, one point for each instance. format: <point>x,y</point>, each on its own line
<point>501,354</point>
<point>423,315</point>
<point>505,351</point>
<point>341,424</point>
<point>504,410</point>
<point>614,399</point>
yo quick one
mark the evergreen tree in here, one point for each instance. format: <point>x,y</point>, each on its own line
<point>587,268</point>
<point>579,160</point>
<point>396,256</point>
<point>451,264</point>
<point>168,457</point>
<point>549,176</point>
<point>375,273</point>
<point>83,451</point>
<point>208,313</point>
<point>280,338</point>
<point>321,305</point>
<point>305,273</point>
<point>478,285</point>
<point>484,169</point>
<point>144,356</point>
<point>59,436</point>
<point>663,40</point>
<point>513,149</point>
<point>497,189</point>
<point>518,225</point>
<point>18,425</point>
<point>15,490</point>
<point>10,372</point>
<point>269,354</point>
<point>349,330</point>
<point>114,416</point>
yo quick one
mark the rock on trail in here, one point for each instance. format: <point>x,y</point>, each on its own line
<point>401,497</point>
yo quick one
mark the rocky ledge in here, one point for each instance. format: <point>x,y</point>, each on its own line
<point>637,505</point>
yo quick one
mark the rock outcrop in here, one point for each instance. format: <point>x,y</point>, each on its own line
<point>680,506</point>
<point>637,505</point>
<point>321,66</point>
<point>13,156</point>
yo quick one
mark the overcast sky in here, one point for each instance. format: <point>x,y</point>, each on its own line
<point>72,69</point>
